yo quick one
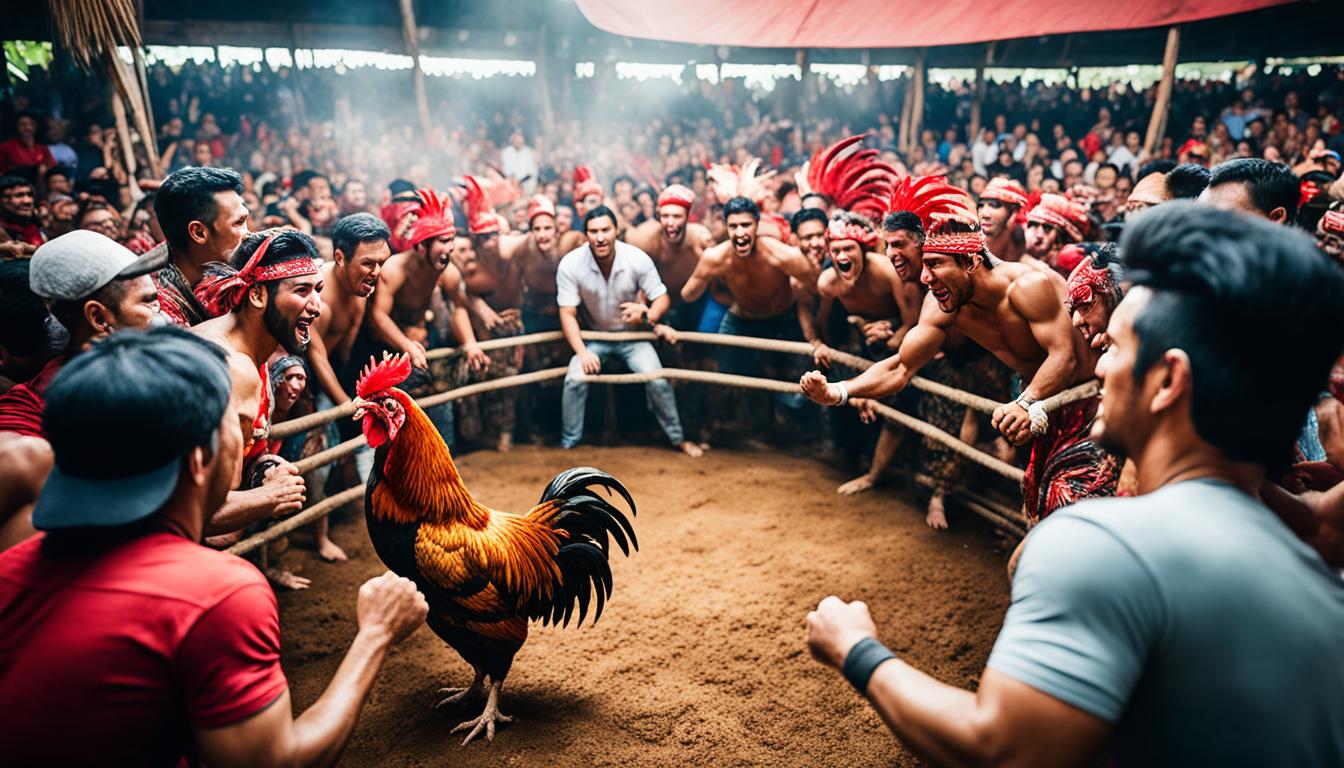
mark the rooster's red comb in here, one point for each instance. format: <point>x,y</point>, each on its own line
<point>384,374</point>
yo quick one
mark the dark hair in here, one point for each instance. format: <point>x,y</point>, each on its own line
<point>741,204</point>
<point>23,316</point>
<point>1271,185</point>
<point>619,179</point>
<point>598,213</point>
<point>1187,180</point>
<point>286,245</point>
<point>188,195</point>
<point>1112,166</point>
<point>1155,166</point>
<point>817,195</point>
<point>1214,271</point>
<point>136,401</point>
<point>70,312</point>
<point>804,215</point>
<point>59,170</point>
<point>302,178</point>
<point>898,220</point>
<point>357,228</point>
<point>11,181</point>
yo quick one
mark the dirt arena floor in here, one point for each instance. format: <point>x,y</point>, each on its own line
<point>699,658</point>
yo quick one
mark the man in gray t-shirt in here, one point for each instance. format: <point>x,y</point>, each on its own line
<point>1186,625</point>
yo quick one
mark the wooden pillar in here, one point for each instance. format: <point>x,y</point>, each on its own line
<point>917,104</point>
<point>1157,124</point>
<point>543,77</point>
<point>807,83</point>
<point>299,102</point>
<point>978,101</point>
<point>411,34</point>
<point>907,101</point>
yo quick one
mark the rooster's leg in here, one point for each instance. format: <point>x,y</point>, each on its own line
<point>488,718</point>
<point>458,694</point>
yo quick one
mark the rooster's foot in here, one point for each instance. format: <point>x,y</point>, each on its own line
<point>461,694</point>
<point>486,722</point>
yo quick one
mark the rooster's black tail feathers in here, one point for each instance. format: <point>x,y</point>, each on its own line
<point>588,519</point>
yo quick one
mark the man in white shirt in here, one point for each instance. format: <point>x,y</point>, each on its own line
<point>605,278</point>
<point>520,162</point>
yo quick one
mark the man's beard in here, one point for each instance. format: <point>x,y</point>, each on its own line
<point>284,331</point>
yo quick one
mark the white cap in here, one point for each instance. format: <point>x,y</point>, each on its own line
<point>75,265</point>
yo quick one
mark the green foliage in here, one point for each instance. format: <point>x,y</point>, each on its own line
<point>22,55</point>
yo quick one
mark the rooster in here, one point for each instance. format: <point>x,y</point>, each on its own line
<point>485,573</point>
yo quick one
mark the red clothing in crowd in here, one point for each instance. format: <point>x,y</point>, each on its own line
<point>16,154</point>
<point>113,658</point>
<point>21,407</point>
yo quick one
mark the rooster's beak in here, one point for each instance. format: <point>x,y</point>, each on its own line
<point>360,405</point>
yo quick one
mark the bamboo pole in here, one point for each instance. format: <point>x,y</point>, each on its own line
<point>412,36</point>
<point>903,130</point>
<point>917,107</point>
<point>1157,124</point>
<point>977,103</point>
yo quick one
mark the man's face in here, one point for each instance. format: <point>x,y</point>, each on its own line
<point>354,195</point>
<point>60,184</point>
<point>994,217</point>
<point>291,385</point>
<point>364,265</point>
<point>543,231</point>
<point>138,305</point>
<point>742,233</point>
<point>27,128</point>
<point>201,154</point>
<point>812,240</point>
<point>319,189</point>
<point>1121,422</point>
<point>905,251</point>
<point>18,201</point>
<point>64,210</point>
<point>229,227</point>
<point>291,310</point>
<point>601,233</point>
<point>564,220</point>
<point>438,251</point>
<point>1090,318</point>
<point>464,255</point>
<point>1231,196</point>
<point>673,219</point>
<point>101,220</point>
<point>588,203</point>
<point>1105,178</point>
<point>948,281</point>
<point>488,245</point>
<point>847,255</point>
<point>1042,239</point>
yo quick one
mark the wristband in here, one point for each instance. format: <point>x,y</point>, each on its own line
<point>862,660</point>
<point>844,393</point>
<point>1040,420</point>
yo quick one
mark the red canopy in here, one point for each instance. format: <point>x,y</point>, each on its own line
<point>889,23</point>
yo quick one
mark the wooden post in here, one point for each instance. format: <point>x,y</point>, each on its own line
<point>807,84</point>
<point>978,101</point>
<point>410,32</point>
<point>903,132</point>
<point>917,106</point>
<point>543,77</point>
<point>1157,124</point>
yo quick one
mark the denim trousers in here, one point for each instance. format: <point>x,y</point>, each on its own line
<point>640,357</point>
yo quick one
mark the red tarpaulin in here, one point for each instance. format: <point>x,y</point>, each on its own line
<point>888,23</point>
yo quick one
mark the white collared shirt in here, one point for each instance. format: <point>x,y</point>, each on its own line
<point>579,282</point>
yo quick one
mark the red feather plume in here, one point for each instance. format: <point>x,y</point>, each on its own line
<point>850,176</point>
<point>934,201</point>
<point>380,375</point>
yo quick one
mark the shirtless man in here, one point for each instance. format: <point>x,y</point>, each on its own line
<point>757,271</point>
<point>866,286</point>
<point>268,297</point>
<point>675,245</point>
<point>1014,312</point>
<point>1000,203</point>
<point>406,289</point>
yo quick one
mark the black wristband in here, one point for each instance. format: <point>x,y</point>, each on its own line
<point>862,660</point>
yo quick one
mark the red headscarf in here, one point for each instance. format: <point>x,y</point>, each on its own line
<point>436,219</point>
<point>221,293</point>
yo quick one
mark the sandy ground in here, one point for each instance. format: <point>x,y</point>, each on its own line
<point>699,658</point>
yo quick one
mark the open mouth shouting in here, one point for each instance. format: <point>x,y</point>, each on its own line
<point>742,245</point>
<point>943,296</point>
<point>303,328</point>
<point>843,265</point>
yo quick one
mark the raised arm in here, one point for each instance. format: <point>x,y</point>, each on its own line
<point>1034,298</point>
<point>705,270</point>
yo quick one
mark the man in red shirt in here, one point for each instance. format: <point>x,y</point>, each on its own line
<point>162,650</point>
<point>23,152</point>
<point>20,228</point>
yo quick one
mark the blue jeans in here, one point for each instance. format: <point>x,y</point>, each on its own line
<point>640,357</point>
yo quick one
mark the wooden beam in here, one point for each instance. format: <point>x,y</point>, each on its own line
<point>917,107</point>
<point>978,101</point>
<point>1157,124</point>
<point>412,37</point>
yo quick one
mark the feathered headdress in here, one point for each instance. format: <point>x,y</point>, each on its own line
<point>584,183</point>
<point>436,218</point>
<point>729,181</point>
<point>380,375</point>
<point>541,205</point>
<point>481,219</point>
<point>850,176</point>
<point>939,205</point>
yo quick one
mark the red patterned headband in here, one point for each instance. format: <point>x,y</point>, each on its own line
<point>955,242</point>
<point>839,229</point>
<point>222,293</point>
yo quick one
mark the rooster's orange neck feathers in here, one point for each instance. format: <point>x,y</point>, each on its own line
<point>427,486</point>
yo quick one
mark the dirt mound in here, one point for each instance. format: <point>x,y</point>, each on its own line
<point>699,657</point>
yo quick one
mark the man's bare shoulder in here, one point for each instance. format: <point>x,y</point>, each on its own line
<point>717,255</point>
<point>571,240</point>
<point>778,250</point>
<point>826,284</point>
<point>514,245</point>
<point>645,236</point>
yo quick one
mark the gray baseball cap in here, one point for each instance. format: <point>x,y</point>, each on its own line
<point>75,265</point>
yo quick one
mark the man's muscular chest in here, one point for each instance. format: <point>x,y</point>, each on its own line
<point>1004,334</point>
